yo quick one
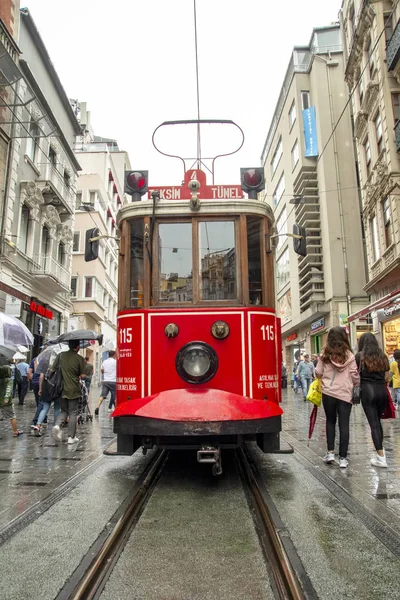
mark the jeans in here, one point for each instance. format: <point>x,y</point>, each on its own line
<point>337,408</point>
<point>69,408</point>
<point>39,403</point>
<point>45,410</point>
<point>396,396</point>
<point>22,389</point>
<point>87,382</point>
<point>305,384</point>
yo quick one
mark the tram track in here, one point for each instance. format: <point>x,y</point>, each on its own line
<point>284,570</point>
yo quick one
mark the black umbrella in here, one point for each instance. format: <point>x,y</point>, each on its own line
<point>81,334</point>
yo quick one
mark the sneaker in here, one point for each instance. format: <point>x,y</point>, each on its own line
<point>379,461</point>
<point>96,411</point>
<point>329,458</point>
<point>109,410</point>
<point>56,433</point>
<point>33,425</point>
<point>73,440</point>
<point>36,430</point>
<point>343,463</point>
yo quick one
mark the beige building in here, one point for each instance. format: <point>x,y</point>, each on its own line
<point>100,193</point>
<point>371,32</point>
<point>307,164</point>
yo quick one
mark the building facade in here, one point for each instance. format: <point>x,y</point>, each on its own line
<point>39,192</point>
<point>309,164</point>
<point>371,32</point>
<point>100,193</point>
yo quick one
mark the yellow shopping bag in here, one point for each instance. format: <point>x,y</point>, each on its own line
<point>315,392</point>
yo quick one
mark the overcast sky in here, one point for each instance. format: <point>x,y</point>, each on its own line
<point>133,62</point>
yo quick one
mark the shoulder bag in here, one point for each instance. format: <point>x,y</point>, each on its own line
<point>356,398</point>
<point>54,381</point>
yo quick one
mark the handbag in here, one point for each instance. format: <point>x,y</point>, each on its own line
<point>390,411</point>
<point>315,392</point>
<point>356,397</point>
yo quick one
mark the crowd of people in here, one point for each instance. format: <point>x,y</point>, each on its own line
<point>340,372</point>
<point>76,375</point>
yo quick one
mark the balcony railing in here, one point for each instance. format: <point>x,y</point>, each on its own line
<point>48,266</point>
<point>49,172</point>
<point>397,135</point>
<point>393,48</point>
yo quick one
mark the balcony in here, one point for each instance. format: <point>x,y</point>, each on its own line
<point>393,48</point>
<point>51,272</point>
<point>397,135</point>
<point>54,187</point>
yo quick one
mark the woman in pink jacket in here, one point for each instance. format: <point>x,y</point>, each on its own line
<point>338,371</point>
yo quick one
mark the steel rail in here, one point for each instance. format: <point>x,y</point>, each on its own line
<point>99,570</point>
<point>287,584</point>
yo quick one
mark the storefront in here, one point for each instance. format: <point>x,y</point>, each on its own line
<point>45,324</point>
<point>389,318</point>
<point>318,335</point>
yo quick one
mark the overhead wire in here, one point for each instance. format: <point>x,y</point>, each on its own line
<point>342,113</point>
<point>197,85</point>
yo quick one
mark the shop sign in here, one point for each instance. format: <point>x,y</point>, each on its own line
<point>387,313</point>
<point>317,325</point>
<point>291,337</point>
<point>13,306</point>
<point>41,310</point>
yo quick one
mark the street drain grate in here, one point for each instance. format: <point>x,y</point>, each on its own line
<point>32,483</point>
<point>70,458</point>
<point>10,471</point>
<point>388,496</point>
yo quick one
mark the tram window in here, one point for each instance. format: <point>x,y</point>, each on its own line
<point>175,280</point>
<point>137,264</point>
<point>254,259</point>
<point>218,279</point>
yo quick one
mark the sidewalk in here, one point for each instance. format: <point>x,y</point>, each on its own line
<point>32,467</point>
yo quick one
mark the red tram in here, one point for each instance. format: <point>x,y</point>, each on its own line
<point>199,348</point>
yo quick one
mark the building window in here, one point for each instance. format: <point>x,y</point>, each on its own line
<point>295,154</point>
<point>74,287</point>
<point>77,241</point>
<point>361,90</point>
<point>396,106</point>
<point>78,202</point>
<point>45,247</point>
<point>280,188</point>
<point>371,60</point>
<point>375,239</point>
<point>67,179</point>
<point>388,24</point>
<point>282,269</point>
<point>61,253</point>
<point>387,222</point>
<point>92,198</point>
<point>277,156</point>
<point>292,114</point>
<point>52,156</point>
<point>23,229</point>
<point>352,20</point>
<point>305,100</point>
<point>367,152</point>
<point>379,133</point>
<point>32,140</point>
<point>281,226</point>
<point>89,287</point>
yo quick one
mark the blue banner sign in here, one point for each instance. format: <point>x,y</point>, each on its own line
<point>310,131</point>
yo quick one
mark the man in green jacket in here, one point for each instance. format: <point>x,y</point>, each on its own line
<point>73,369</point>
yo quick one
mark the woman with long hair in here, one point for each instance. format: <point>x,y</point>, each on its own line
<point>395,373</point>
<point>373,365</point>
<point>338,372</point>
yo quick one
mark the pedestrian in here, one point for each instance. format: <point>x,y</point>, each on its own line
<point>314,359</point>
<point>34,378</point>
<point>46,404</point>
<point>338,372</point>
<point>109,369</point>
<point>395,375</point>
<point>306,373</point>
<point>89,374</point>
<point>73,368</point>
<point>21,375</point>
<point>6,403</point>
<point>374,370</point>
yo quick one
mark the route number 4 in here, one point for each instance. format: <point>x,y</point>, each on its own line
<point>125,335</point>
<point>268,332</point>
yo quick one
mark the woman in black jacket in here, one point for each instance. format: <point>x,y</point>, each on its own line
<point>374,371</point>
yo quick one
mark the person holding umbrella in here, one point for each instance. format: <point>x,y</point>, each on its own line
<point>337,369</point>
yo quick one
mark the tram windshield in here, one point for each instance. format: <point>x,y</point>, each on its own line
<point>195,261</point>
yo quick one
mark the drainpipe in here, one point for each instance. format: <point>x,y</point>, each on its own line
<point>339,190</point>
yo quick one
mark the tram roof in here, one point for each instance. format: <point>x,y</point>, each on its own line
<point>180,208</point>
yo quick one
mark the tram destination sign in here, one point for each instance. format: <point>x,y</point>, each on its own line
<point>205,192</point>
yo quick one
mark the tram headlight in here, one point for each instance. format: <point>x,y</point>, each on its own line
<point>196,362</point>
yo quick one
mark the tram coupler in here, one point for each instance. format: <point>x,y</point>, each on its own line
<point>211,455</point>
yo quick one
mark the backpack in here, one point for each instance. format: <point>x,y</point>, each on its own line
<point>54,382</point>
<point>17,375</point>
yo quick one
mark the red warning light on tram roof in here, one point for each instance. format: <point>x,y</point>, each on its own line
<point>136,180</point>
<point>253,178</point>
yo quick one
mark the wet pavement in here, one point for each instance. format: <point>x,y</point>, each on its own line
<point>196,533</point>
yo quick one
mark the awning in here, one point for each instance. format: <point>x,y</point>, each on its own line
<point>381,303</point>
